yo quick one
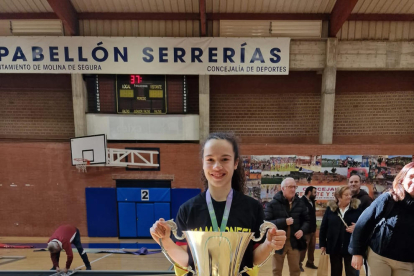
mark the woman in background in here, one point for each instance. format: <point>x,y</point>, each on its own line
<point>386,230</point>
<point>337,226</point>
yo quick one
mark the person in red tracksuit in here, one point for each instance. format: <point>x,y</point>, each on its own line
<point>63,238</point>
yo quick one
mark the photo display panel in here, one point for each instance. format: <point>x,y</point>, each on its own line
<point>141,94</point>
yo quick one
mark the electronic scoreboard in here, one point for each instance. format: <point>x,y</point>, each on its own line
<point>141,94</point>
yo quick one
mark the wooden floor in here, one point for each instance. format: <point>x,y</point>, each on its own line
<point>105,261</point>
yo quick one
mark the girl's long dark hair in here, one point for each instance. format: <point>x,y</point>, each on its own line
<point>238,181</point>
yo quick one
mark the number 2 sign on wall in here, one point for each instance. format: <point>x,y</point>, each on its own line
<point>144,195</point>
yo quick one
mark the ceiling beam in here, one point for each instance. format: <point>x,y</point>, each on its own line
<point>340,13</point>
<point>138,16</point>
<point>209,16</point>
<point>203,18</point>
<point>17,16</point>
<point>267,16</point>
<point>171,16</point>
<point>380,17</point>
<point>67,13</point>
<point>196,16</point>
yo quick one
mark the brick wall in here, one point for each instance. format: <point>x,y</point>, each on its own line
<point>36,106</point>
<point>267,108</point>
<point>374,106</point>
<point>370,107</point>
<point>56,193</point>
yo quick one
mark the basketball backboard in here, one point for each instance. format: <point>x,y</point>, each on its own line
<point>92,148</point>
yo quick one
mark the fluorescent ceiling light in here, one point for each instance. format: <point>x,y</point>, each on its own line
<point>36,27</point>
<point>297,29</point>
<point>244,28</point>
<point>266,28</point>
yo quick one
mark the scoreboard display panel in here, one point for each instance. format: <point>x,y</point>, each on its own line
<point>141,94</point>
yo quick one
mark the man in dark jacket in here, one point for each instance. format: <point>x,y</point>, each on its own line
<point>289,213</point>
<point>309,199</point>
<point>354,183</point>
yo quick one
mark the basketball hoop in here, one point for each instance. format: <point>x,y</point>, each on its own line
<point>82,166</point>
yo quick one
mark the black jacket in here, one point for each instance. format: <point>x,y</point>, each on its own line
<point>365,199</point>
<point>246,215</point>
<point>277,211</point>
<point>395,239</point>
<point>312,213</point>
<point>333,233</point>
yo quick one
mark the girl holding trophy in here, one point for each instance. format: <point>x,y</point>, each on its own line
<point>224,208</point>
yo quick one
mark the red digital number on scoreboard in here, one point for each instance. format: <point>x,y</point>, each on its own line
<point>135,79</point>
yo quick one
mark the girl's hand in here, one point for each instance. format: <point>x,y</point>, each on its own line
<point>276,238</point>
<point>160,230</point>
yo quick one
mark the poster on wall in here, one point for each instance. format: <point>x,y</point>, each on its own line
<point>265,173</point>
<point>274,169</point>
<point>253,187</point>
<point>268,191</point>
<point>253,180</point>
<point>309,162</point>
<point>341,161</point>
<point>382,169</point>
<point>282,163</point>
<point>335,171</point>
<point>246,165</point>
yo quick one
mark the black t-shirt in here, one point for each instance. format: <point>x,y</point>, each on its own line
<point>246,215</point>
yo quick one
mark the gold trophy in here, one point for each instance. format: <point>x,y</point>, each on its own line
<point>217,253</point>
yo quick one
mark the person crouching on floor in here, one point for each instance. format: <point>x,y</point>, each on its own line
<point>63,238</point>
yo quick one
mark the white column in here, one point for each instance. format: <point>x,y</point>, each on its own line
<point>204,106</point>
<point>328,93</point>
<point>80,104</point>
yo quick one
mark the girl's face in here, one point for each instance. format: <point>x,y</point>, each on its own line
<point>219,163</point>
<point>346,198</point>
<point>408,182</point>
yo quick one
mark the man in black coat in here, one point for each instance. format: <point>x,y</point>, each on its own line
<point>289,213</point>
<point>309,199</point>
<point>354,182</point>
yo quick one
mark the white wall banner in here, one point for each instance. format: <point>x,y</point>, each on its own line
<point>155,55</point>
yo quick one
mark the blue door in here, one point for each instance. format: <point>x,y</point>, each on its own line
<point>127,220</point>
<point>145,219</point>
<point>162,210</point>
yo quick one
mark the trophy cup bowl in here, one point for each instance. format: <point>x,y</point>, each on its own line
<point>217,253</point>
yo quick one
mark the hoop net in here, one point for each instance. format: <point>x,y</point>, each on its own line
<point>82,166</point>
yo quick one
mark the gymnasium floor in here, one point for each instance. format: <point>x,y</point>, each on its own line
<point>40,261</point>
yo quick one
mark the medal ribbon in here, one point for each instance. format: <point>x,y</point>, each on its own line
<point>213,214</point>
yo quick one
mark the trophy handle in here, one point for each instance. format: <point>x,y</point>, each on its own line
<point>174,229</point>
<point>263,228</point>
<point>265,225</point>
